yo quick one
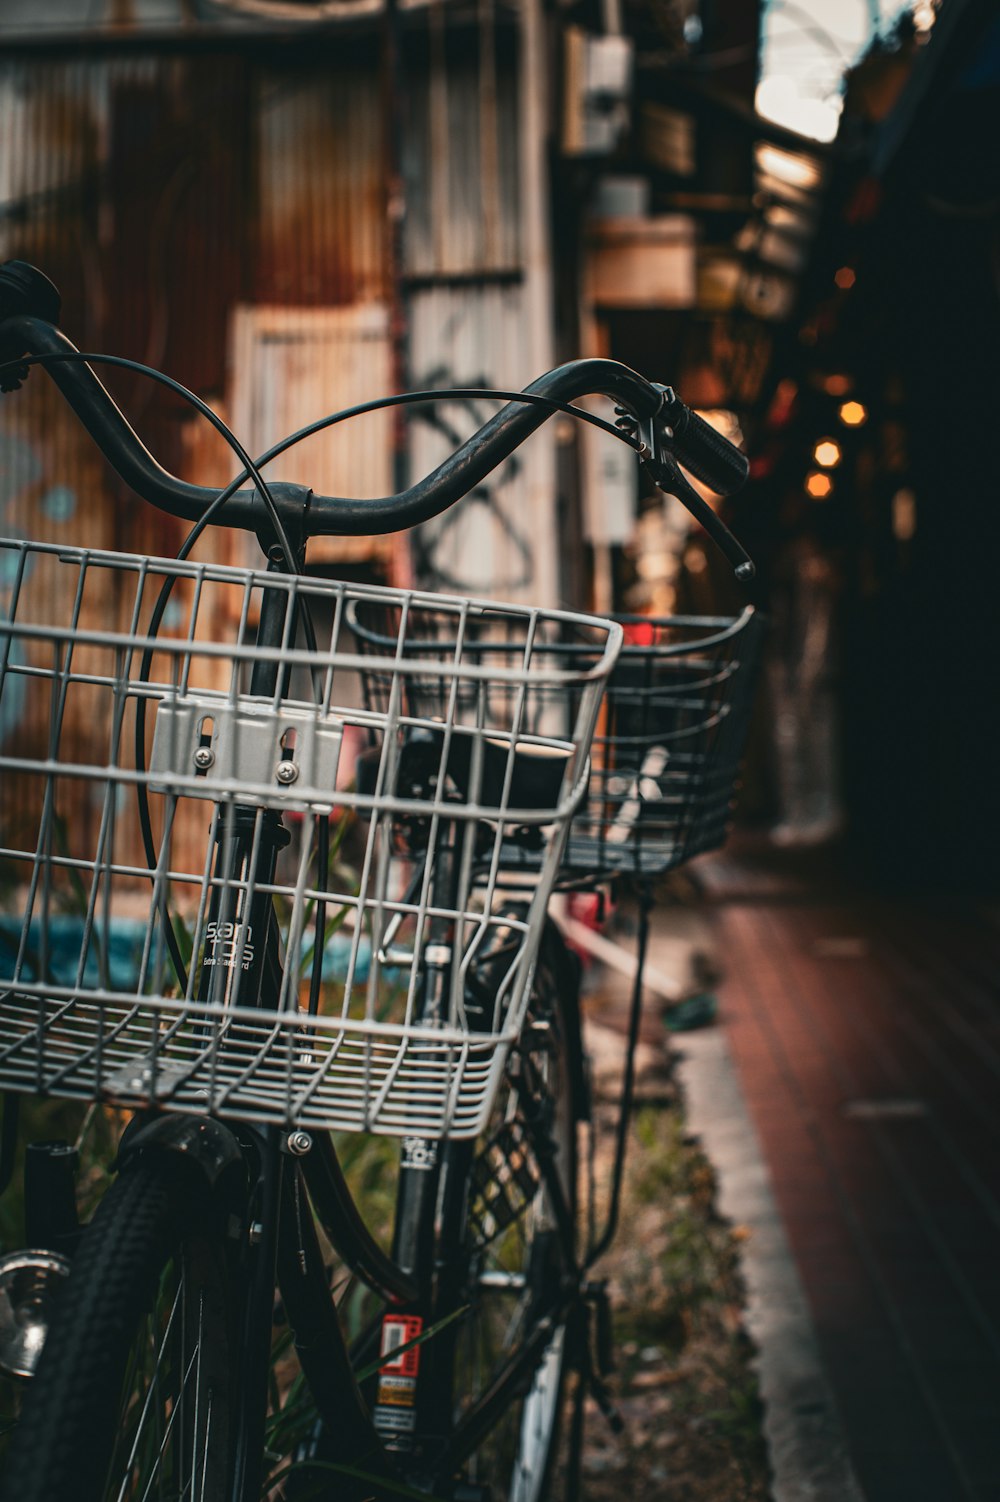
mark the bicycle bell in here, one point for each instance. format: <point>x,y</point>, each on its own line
<point>30,1282</point>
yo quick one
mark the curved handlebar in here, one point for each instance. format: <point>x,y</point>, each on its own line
<point>29,301</point>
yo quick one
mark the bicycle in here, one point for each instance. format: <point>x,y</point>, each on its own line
<point>245,990</point>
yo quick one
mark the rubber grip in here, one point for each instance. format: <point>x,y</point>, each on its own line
<point>715,461</point>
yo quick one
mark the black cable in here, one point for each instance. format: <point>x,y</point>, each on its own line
<point>410,397</point>
<point>252,470</point>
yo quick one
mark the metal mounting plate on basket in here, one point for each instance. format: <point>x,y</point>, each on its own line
<point>205,745</point>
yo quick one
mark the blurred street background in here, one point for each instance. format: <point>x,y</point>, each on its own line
<point>787,211</point>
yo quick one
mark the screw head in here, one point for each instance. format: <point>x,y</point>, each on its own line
<point>286,772</point>
<point>204,757</point>
<point>299,1143</point>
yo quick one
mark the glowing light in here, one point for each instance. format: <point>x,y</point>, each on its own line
<point>789,167</point>
<point>904,514</point>
<point>785,100</point>
<point>818,486</point>
<point>853,414</point>
<point>845,277</point>
<point>837,385</point>
<point>827,453</point>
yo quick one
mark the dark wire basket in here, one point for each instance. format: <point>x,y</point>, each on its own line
<point>667,755</point>
<point>669,742</point>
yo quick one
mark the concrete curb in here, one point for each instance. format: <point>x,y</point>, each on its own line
<point>807,1447</point>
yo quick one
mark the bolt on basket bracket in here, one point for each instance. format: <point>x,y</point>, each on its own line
<point>284,759</point>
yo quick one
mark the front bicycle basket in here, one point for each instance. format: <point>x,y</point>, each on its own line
<point>230,883</point>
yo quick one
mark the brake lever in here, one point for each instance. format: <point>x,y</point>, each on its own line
<point>664,469</point>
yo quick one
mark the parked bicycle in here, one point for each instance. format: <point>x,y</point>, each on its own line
<point>277,853</point>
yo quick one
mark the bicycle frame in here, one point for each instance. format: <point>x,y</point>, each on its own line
<point>284,1245</point>
<point>248,971</point>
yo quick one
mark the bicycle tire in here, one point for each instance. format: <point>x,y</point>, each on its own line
<point>148,1281</point>
<point>517,1456</point>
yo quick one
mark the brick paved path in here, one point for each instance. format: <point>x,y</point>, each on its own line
<point>867,1036</point>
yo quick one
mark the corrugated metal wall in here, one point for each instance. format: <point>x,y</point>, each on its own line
<point>226,217</point>
<point>167,195</point>
<point>320,187</point>
<point>460,151</point>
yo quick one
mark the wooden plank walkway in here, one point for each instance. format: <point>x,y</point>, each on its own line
<point>867,1037</point>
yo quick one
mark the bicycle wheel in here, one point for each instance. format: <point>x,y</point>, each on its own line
<point>134,1392</point>
<point>510,1251</point>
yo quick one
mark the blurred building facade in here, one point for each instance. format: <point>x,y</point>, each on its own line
<point>294,207</point>
<point>873,441</point>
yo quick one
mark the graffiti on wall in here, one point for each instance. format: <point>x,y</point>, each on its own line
<point>475,547</point>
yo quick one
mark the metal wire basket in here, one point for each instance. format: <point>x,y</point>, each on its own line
<point>667,755</point>
<point>670,738</point>
<point>283,906</point>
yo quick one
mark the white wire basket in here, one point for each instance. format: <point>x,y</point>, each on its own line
<point>228,885</point>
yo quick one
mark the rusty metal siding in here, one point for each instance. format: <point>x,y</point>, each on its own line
<point>161,193</point>
<point>108,185</point>
<point>164,194</point>
<point>321,209</point>
<point>52,128</point>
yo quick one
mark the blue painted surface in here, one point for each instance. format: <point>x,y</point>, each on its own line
<point>124,939</point>
<point>10,560</point>
<point>20,466</point>
<point>58,503</point>
<point>337,956</point>
<point>14,691</point>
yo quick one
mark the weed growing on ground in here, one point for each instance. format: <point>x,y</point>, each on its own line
<point>684,1384</point>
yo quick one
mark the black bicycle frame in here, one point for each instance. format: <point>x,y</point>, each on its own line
<point>284,1243</point>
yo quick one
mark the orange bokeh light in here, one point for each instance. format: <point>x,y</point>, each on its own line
<point>853,414</point>
<point>818,486</point>
<point>827,453</point>
<point>845,277</point>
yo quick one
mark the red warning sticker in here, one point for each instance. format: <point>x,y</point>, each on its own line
<point>398,1330</point>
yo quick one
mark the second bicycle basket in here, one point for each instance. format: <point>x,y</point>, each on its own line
<point>667,753</point>
<point>669,741</point>
<point>229,884</point>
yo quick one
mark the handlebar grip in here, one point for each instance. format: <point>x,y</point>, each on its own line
<point>26,290</point>
<point>715,461</point>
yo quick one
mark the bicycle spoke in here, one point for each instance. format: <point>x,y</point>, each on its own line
<point>177,1408</point>
<point>150,1394</point>
<point>207,1447</point>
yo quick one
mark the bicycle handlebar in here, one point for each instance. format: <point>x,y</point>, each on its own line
<point>29,306</point>
<point>706,453</point>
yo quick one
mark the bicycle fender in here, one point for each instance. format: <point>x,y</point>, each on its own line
<point>200,1139</point>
